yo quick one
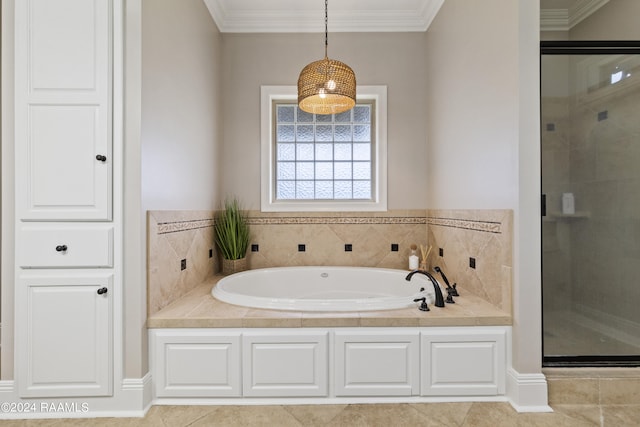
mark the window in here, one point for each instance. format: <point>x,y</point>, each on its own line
<point>323,162</point>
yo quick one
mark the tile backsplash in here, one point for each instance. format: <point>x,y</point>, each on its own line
<point>331,238</point>
<point>177,239</point>
<point>353,239</point>
<point>483,238</point>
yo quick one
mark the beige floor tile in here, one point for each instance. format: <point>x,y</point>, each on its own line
<point>445,414</point>
<point>314,415</point>
<point>230,416</point>
<point>177,416</point>
<point>620,391</point>
<point>90,422</point>
<point>383,415</point>
<point>573,391</point>
<point>563,416</point>
<point>491,415</point>
<point>621,415</point>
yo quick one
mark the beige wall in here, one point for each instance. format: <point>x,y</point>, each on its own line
<point>624,13</point>
<point>392,59</point>
<point>472,90</point>
<point>7,205</point>
<point>181,105</point>
<point>484,135</point>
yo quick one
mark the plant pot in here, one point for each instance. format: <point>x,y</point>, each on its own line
<point>230,266</point>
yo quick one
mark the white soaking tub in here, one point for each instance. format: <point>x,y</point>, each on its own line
<point>324,289</point>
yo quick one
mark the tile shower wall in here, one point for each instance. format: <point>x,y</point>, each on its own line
<point>178,249</point>
<point>605,245</point>
<point>590,146</point>
<point>485,236</point>
<point>349,239</point>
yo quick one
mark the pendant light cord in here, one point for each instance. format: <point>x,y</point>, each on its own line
<point>326,28</point>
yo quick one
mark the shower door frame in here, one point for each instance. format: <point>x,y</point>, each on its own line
<point>581,47</point>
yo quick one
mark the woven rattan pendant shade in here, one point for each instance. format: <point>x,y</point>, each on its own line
<point>326,86</point>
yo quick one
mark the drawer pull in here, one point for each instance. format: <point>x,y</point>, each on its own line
<point>102,291</point>
<point>101,158</point>
<point>61,248</point>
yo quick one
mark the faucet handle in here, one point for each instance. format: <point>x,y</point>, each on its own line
<point>423,306</point>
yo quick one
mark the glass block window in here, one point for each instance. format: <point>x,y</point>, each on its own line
<point>324,157</point>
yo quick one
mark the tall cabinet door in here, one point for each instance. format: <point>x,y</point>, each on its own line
<point>63,110</point>
<point>66,238</point>
<point>64,335</point>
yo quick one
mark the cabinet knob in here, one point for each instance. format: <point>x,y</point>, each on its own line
<point>101,158</point>
<point>102,291</point>
<point>61,248</point>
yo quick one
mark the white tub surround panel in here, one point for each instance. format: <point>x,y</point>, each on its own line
<point>450,372</point>
<point>331,364</point>
<point>285,363</point>
<point>198,363</point>
<point>372,364</point>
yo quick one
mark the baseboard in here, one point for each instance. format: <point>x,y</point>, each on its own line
<point>141,389</point>
<point>133,399</point>
<point>527,392</point>
<point>7,387</point>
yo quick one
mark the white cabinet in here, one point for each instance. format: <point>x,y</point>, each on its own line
<point>377,363</point>
<point>282,363</point>
<point>63,110</point>
<point>66,230</point>
<point>200,363</point>
<point>64,335</point>
<point>463,362</point>
<point>65,245</point>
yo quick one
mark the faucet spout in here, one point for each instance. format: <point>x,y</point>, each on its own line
<point>436,286</point>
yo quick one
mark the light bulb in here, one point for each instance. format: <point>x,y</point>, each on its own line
<point>322,93</point>
<point>331,85</point>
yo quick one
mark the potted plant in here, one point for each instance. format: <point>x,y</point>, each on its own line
<point>232,237</point>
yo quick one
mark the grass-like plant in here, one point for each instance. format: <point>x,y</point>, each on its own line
<point>232,231</point>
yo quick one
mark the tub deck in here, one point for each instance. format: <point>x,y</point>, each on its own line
<point>198,309</point>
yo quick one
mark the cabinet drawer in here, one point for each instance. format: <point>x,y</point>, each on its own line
<point>65,246</point>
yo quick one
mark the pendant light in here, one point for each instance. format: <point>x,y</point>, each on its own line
<point>326,86</point>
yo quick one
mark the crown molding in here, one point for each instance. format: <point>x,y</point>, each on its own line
<point>297,16</point>
<point>565,19</point>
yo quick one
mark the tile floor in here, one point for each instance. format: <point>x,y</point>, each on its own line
<point>579,397</point>
<point>427,414</point>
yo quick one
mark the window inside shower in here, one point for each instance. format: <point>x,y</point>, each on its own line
<point>590,142</point>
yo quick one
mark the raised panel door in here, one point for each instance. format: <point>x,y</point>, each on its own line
<point>63,110</point>
<point>64,335</point>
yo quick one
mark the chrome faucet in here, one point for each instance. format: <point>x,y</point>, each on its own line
<point>436,286</point>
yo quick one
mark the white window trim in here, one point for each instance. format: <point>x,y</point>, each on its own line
<point>268,202</point>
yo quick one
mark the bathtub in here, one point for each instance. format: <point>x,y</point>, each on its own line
<point>323,289</point>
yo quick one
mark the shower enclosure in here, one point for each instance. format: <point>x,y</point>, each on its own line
<point>590,117</point>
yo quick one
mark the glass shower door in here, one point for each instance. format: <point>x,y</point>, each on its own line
<point>590,110</point>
